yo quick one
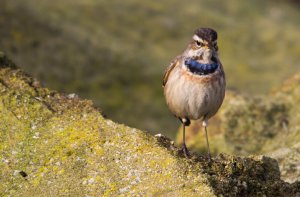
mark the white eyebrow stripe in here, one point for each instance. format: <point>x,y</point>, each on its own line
<point>195,37</point>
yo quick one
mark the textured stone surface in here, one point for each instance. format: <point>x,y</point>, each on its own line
<point>59,145</point>
<point>289,162</point>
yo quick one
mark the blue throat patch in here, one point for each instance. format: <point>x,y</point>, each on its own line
<point>200,69</point>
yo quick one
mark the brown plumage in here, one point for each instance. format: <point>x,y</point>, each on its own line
<point>190,95</point>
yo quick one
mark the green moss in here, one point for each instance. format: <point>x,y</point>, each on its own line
<point>66,148</point>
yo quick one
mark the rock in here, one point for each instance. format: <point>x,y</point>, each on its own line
<point>54,145</point>
<point>289,162</point>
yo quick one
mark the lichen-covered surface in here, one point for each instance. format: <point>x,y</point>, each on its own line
<point>59,145</point>
<point>256,125</point>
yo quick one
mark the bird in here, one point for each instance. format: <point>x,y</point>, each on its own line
<point>194,82</point>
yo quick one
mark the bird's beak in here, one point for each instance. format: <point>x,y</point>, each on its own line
<point>207,48</point>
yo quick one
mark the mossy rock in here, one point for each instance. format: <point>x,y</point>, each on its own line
<point>59,145</point>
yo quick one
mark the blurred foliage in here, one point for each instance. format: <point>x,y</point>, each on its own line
<point>115,52</point>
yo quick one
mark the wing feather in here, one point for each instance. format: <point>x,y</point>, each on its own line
<point>169,69</point>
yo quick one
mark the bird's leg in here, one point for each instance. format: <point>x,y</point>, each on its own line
<point>184,148</point>
<point>207,143</point>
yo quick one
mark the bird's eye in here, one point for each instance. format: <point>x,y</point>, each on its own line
<point>198,43</point>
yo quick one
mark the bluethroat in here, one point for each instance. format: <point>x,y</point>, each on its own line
<point>194,82</point>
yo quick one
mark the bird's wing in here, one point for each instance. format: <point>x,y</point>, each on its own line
<point>169,69</point>
<point>222,70</point>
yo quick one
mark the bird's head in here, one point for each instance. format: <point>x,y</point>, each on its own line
<point>204,46</point>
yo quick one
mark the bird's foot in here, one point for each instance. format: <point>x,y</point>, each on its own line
<point>185,151</point>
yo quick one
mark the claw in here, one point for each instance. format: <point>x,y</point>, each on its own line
<point>185,151</point>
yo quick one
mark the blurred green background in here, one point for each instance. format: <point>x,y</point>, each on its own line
<point>115,52</point>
